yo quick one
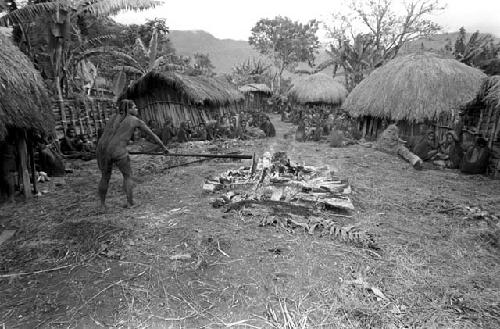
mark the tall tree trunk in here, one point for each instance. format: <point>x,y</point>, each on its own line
<point>58,65</point>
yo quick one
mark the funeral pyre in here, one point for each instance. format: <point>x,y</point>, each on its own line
<point>278,193</point>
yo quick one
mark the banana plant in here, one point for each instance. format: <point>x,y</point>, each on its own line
<point>60,15</point>
<point>357,59</point>
<point>146,55</point>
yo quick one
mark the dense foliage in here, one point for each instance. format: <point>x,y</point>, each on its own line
<point>285,42</point>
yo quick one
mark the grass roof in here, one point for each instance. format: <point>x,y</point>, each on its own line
<point>415,87</point>
<point>197,89</point>
<point>318,88</point>
<point>24,101</point>
<point>255,87</point>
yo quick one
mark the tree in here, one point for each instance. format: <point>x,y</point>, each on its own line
<point>285,42</point>
<point>371,32</point>
<point>62,16</point>
<point>476,50</point>
<point>251,71</point>
<point>203,65</point>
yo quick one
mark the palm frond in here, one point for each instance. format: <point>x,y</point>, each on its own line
<point>153,49</point>
<point>127,69</point>
<point>157,63</point>
<point>94,42</point>
<point>107,51</point>
<point>29,13</point>
<point>110,7</point>
<point>323,65</point>
<point>140,47</point>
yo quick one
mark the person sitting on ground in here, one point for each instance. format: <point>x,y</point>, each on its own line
<point>70,144</point>
<point>168,132</point>
<point>201,133</point>
<point>455,151</point>
<point>300,134</point>
<point>182,133</point>
<point>87,145</point>
<point>268,127</point>
<point>449,152</point>
<point>426,149</point>
<point>475,160</point>
<point>50,160</point>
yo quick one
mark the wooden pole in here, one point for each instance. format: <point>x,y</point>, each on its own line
<point>370,127</point>
<point>31,151</point>
<point>201,155</point>
<point>364,126</point>
<point>23,162</point>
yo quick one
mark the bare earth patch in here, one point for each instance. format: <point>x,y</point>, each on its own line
<point>176,262</point>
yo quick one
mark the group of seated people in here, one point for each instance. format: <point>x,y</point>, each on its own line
<point>315,123</point>
<point>236,126</point>
<point>76,146</point>
<point>451,152</point>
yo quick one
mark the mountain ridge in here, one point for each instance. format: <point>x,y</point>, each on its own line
<point>227,53</point>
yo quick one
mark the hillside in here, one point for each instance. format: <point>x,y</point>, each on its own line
<point>435,43</point>
<point>224,53</point>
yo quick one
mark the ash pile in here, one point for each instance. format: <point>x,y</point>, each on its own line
<point>275,192</point>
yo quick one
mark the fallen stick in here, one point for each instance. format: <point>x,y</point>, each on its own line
<point>201,155</point>
<point>185,164</point>
<point>3,276</point>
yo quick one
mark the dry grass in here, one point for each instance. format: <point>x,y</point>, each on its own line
<point>435,268</point>
<point>25,102</point>
<point>415,87</point>
<point>202,90</point>
<point>318,88</point>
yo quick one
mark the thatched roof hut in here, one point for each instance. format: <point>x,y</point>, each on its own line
<point>162,96</point>
<point>24,101</point>
<point>256,96</point>
<point>202,90</point>
<point>417,87</point>
<point>318,88</point>
<point>25,108</point>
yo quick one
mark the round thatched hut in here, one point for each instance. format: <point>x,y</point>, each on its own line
<point>482,115</point>
<point>256,96</point>
<point>318,89</point>
<point>416,91</point>
<point>193,99</point>
<point>25,108</point>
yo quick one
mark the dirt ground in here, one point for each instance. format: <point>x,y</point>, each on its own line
<point>177,262</point>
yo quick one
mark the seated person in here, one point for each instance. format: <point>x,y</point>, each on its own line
<point>50,160</point>
<point>475,160</point>
<point>300,134</point>
<point>425,149</point>
<point>449,152</point>
<point>182,133</point>
<point>201,133</point>
<point>87,145</point>
<point>168,133</point>
<point>70,143</point>
<point>268,127</point>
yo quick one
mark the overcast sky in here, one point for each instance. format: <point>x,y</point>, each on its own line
<point>233,19</point>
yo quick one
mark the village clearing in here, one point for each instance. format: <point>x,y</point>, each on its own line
<point>176,262</point>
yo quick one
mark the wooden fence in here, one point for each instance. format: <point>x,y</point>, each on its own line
<point>86,115</point>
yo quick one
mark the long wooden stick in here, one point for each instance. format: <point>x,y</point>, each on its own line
<point>201,155</point>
